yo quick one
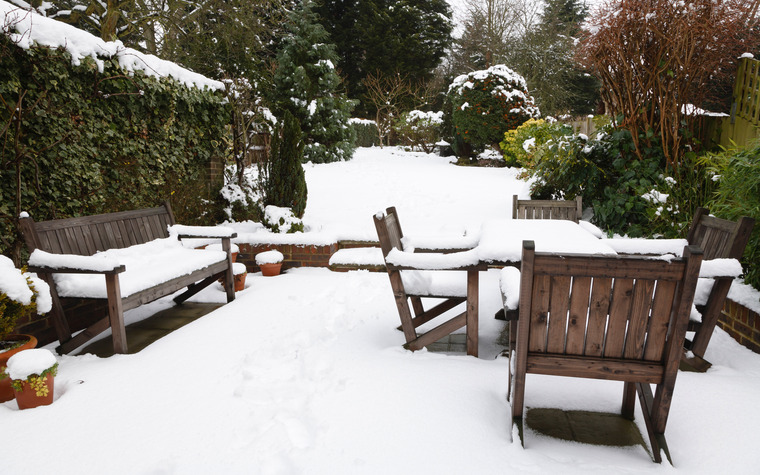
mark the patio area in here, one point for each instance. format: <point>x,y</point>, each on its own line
<point>305,373</point>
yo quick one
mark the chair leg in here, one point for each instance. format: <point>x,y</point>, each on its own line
<point>629,400</point>
<point>656,439</point>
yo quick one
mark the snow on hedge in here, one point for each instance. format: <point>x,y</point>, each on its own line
<point>28,28</point>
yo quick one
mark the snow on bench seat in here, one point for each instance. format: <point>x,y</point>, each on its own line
<point>147,265</point>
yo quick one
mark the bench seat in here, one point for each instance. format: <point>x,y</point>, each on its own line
<point>147,265</point>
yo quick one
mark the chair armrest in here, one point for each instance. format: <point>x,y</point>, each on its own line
<point>46,262</point>
<point>446,245</point>
<point>211,232</point>
<point>467,260</point>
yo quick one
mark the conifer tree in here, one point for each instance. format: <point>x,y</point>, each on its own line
<point>285,180</point>
<point>306,84</point>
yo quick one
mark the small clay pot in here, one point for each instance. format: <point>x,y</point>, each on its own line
<point>270,270</point>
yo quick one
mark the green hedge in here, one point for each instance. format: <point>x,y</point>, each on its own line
<point>77,141</point>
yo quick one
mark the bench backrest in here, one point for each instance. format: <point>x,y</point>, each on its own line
<point>87,235</point>
<point>605,317</point>
<point>719,238</point>
<point>570,210</point>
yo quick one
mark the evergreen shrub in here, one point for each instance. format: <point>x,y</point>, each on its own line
<point>484,105</point>
<point>286,181</point>
<point>519,145</point>
<point>604,171</point>
<point>83,141</point>
<point>365,131</point>
<point>738,194</point>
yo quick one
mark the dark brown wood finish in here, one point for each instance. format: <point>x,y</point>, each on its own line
<point>570,210</point>
<point>719,238</point>
<point>389,234</point>
<point>613,318</point>
<point>89,234</point>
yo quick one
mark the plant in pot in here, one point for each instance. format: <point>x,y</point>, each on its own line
<point>20,293</point>
<point>270,262</point>
<point>239,272</point>
<point>32,373</point>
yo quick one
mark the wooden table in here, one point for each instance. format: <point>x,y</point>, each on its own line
<point>501,239</point>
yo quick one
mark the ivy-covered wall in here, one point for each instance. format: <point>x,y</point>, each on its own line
<point>76,140</point>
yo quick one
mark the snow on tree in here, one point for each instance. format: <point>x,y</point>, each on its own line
<point>306,84</point>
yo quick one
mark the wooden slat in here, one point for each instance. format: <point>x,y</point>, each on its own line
<point>658,325</point>
<point>576,323</point>
<point>98,218</point>
<point>111,239</point>
<point>639,320</point>
<point>558,311</point>
<point>626,267</point>
<point>583,367</point>
<point>539,313</point>
<point>597,321</point>
<point>620,309</point>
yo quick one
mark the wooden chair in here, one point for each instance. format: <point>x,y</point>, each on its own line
<point>547,209</point>
<point>719,238</point>
<point>613,318</point>
<point>458,287</point>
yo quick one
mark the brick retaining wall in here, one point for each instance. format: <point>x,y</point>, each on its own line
<point>742,324</point>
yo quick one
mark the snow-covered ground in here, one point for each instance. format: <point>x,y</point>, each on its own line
<point>304,372</point>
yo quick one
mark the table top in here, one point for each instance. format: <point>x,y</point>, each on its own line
<point>501,239</point>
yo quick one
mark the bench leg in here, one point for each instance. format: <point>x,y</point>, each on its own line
<point>229,280</point>
<point>116,314</point>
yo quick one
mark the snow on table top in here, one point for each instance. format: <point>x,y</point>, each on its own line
<point>147,265</point>
<point>28,28</point>
<point>501,239</point>
<point>28,362</point>
<point>647,246</point>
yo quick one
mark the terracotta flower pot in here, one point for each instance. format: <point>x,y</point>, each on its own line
<point>240,281</point>
<point>6,392</point>
<point>270,270</point>
<point>38,392</point>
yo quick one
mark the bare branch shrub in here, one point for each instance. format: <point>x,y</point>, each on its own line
<point>656,56</point>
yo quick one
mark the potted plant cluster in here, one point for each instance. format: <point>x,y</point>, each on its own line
<point>32,373</point>
<point>20,293</point>
<point>270,262</point>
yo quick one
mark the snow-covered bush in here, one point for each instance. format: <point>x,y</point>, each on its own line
<point>20,293</point>
<point>419,130</point>
<point>244,201</point>
<point>282,220</point>
<point>484,105</point>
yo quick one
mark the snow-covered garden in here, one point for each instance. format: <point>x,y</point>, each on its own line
<point>305,373</point>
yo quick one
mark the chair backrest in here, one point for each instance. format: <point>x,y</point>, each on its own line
<point>602,317</point>
<point>388,230</point>
<point>570,210</point>
<point>719,238</point>
<point>87,235</point>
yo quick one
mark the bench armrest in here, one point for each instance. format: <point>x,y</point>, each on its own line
<point>467,260</point>
<point>211,232</point>
<point>46,262</point>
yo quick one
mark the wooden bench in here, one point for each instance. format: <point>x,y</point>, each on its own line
<point>58,248</point>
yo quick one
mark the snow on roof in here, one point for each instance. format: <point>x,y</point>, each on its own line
<point>28,28</point>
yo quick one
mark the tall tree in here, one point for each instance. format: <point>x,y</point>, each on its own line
<point>544,57</point>
<point>405,36</point>
<point>306,84</point>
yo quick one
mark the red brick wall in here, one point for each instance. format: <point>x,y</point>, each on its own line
<point>742,324</point>
<point>295,255</point>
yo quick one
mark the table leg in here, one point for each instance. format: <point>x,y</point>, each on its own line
<point>472,312</point>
